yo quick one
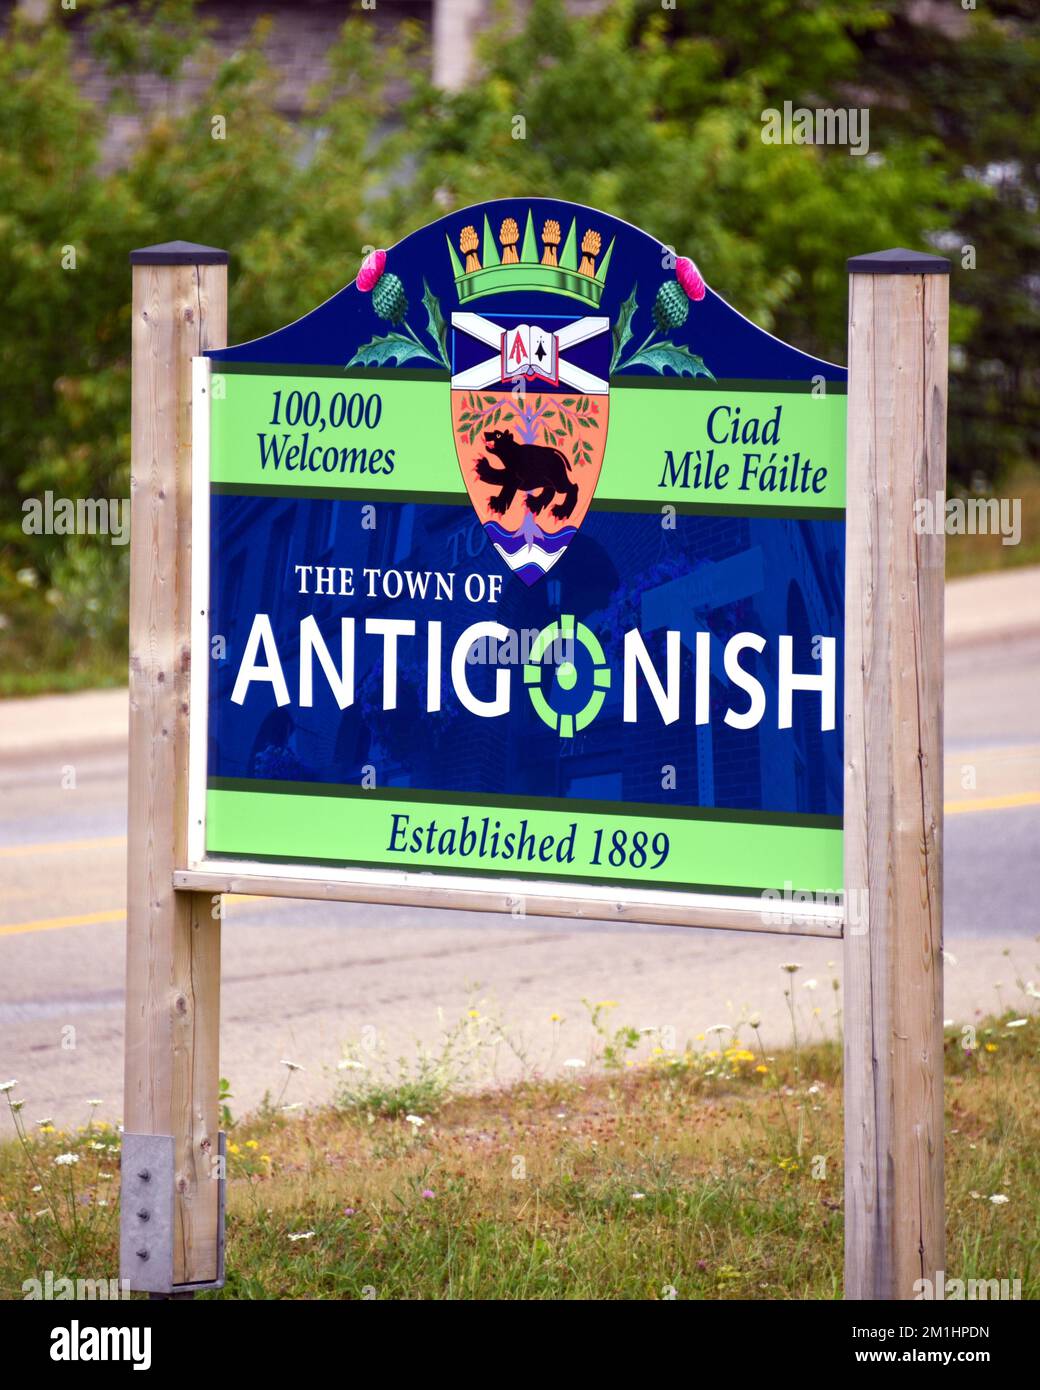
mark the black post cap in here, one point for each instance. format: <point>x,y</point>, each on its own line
<point>178,253</point>
<point>898,262</point>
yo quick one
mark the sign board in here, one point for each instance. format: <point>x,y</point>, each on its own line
<point>521,573</point>
<point>521,578</point>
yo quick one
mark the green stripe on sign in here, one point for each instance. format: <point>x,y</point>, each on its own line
<point>675,446</point>
<point>559,844</point>
<point>659,450</point>
<point>406,448</point>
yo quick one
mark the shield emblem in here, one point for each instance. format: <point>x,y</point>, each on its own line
<point>529,415</point>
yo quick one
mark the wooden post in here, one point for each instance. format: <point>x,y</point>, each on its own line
<point>898,329</point>
<point>173,938</point>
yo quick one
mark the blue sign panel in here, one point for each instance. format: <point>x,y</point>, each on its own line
<point>526,560</point>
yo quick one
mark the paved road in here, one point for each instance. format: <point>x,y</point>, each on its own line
<point>302,978</point>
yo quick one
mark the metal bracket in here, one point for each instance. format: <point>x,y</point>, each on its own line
<point>146,1212</point>
<point>146,1215</point>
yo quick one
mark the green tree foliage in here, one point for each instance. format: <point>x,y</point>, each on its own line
<point>651,114</point>
<point>969,89</point>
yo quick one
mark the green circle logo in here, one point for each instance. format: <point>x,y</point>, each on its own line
<point>566,630</point>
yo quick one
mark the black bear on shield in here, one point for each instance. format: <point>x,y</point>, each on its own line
<point>536,469</point>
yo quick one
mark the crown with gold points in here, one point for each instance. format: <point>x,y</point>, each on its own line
<point>488,270</point>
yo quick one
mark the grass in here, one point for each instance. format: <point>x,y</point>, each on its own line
<point>715,1173</point>
<point>104,675</point>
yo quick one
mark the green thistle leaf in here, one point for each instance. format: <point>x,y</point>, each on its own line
<point>435,325</point>
<point>394,346</point>
<point>679,359</point>
<point>622,329</point>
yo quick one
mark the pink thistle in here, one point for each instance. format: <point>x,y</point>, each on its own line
<point>688,276</point>
<point>427,1192</point>
<point>372,268</point>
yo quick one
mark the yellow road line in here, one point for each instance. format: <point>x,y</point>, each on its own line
<point>55,846</point>
<point>992,803</point>
<point>80,919</point>
<point>89,919</point>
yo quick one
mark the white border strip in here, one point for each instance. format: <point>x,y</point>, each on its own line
<point>542,897</point>
<point>201,395</point>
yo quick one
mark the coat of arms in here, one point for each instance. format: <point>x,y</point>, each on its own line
<point>529,389</point>
<point>530,427</point>
<point>529,393</point>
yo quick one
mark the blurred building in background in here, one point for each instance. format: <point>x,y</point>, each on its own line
<point>301,33</point>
